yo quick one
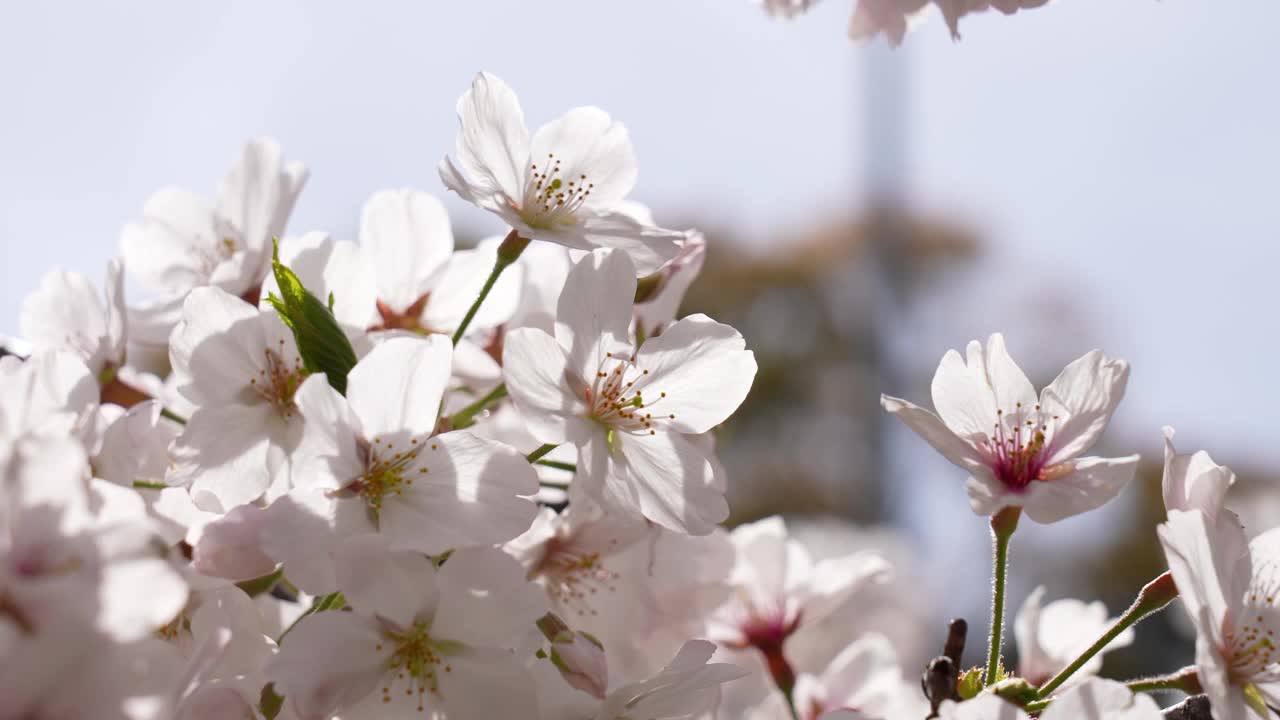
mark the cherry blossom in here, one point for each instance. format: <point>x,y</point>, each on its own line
<point>184,242</point>
<point>631,411</point>
<point>370,462</point>
<point>418,638</point>
<point>1230,588</point>
<point>240,367</point>
<point>1051,636</point>
<point>1020,450</point>
<point>563,185</point>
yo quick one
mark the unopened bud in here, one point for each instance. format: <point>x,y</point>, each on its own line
<point>577,655</point>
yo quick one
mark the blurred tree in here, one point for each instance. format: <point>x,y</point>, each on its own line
<point>806,440</point>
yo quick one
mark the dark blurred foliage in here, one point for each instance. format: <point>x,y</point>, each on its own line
<point>807,438</point>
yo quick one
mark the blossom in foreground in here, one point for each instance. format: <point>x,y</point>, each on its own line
<point>563,185</point>
<point>1051,636</point>
<point>1020,450</point>
<point>81,586</point>
<point>1230,588</point>
<point>370,462</point>
<point>417,640</point>
<point>632,412</point>
<point>240,367</point>
<point>1093,699</point>
<point>184,242</point>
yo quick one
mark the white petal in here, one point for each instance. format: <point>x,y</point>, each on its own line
<point>258,194</point>
<point>408,235</point>
<point>698,373</point>
<point>459,284</point>
<point>663,477</point>
<point>1205,562</point>
<point>493,142</point>
<point>590,148</point>
<point>1084,396</point>
<point>983,707</point>
<point>305,528</point>
<point>594,314</point>
<point>835,579</point>
<point>487,684</point>
<point>332,268</point>
<point>963,396</point>
<point>223,452</point>
<point>649,246</point>
<point>930,427</point>
<point>398,386</point>
<point>329,661</point>
<point>328,455</point>
<point>485,600</point>
<point>1090,485</point>
<point>534,367</point>
<point>1193,482</point>
<point>169,248</point>
<point>218,346</point>
<point>1098,699</point>
<point>469,495</point>
<point>397,586</point>
<point>231,546</point>
<point>66,313</point>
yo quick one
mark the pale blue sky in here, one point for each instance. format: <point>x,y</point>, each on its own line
<point>1120,156</point>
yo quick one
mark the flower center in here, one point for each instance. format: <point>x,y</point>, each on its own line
<point>388,471</point>
<point>573,576</point>
<point>416,660</point>
<point>1251,644</point>
<point>1018,446</point>
<point>614,401</point>
<point>550,199</point>
<point>278,380</point>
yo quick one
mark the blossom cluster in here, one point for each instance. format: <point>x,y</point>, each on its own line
<point>311,478</point>
<point>895,18</point>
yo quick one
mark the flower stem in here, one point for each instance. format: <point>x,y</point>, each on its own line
<point>1003,524</point>
<point>466,416</point>
<point>508,251</point>
<point>789,694</point>
<point>331,601</point>
<point>1187,680</point>
<point>569,467</point>
<point>1151,598</point>
<point>536,455</point>
<point>166,412</point>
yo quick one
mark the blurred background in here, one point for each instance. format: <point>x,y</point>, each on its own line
<point>1089,174</point>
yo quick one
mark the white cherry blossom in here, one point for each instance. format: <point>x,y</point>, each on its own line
<point>1051,636</point>
<point>1195,481</point>
<point>370,462</point>
<point>631,411</point>
<point>419,640</point>
<point>1020,450</point>
<point>183,242</point>
<point>240,367</point>
<point>563,185</point>
<point>1230,588</point>
<point>67,313</point>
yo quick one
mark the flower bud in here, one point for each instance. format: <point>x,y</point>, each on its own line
<point>577,655</point>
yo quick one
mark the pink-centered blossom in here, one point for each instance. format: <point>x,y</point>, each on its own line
<point>1022,450</point>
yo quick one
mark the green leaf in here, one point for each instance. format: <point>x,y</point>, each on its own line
<point>321,343</point>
